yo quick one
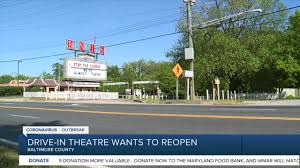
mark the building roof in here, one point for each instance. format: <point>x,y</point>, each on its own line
<point>14,83</point>
<point>54,83</point>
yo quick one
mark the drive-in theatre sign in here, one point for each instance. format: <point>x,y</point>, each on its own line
<point>76,69</point>
<point>81,46</point>
<point>85,66</point>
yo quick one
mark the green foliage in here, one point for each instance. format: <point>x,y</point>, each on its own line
<point>120,88</point>
<point>35,89</point>
<point>163,73</point>
<point>9,158</point>
<point>46,75</point>
<point>258,54</point>
<point>11,91</point>
<point>113,73</point>
<point>142,70</point>
<point>290,97</point>
<point>57,70</point>
<point>6,78</point>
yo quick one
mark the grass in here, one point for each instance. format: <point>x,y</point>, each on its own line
<point>9,158</point>
<point>216,102</point>
<point>10,97</point>
<point>223,102</point>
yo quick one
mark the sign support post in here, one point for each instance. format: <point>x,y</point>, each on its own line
<point>187,89</point>
<point>217,82</point>
<point>177,83</point>
<point>188,75</point>
<point>177,70</point>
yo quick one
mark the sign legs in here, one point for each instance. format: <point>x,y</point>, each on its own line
<point>187,89</point>
<point>177,85</point>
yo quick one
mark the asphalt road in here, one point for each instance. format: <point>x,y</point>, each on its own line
<point>151,119</point>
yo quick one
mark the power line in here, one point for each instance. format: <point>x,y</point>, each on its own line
<point>253,17</point>
<point>18,2</point>
<point>111,45</point>
<point>53,8</point>
<point>156,11</point>
<point>269,13</point>
<point>34,58</point>
<point>139,28</point>
<point>108,35</point>
<point>143,39</point>
<point>266,22</point>
<point>125,31</point>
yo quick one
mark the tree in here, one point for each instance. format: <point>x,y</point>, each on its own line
<point>143,70</point>
<point>213,9</point>
<point>288,52</point>
<point>46,75</point>
<point>237,51</point>
<point>113,73</point>
<point>128,73</point>
<point>57,70</point>
<point>6,78</point>
<point>163,73</point>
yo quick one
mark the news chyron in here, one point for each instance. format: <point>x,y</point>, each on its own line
<point>75,146</point>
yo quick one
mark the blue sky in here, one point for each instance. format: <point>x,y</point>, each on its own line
<point>39,28</point>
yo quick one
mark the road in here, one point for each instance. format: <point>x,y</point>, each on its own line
<point>150,119</point>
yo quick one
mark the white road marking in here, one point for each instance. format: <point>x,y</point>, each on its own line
<point>78,105</point>
<point>23,116</point>
<point>241,109</point>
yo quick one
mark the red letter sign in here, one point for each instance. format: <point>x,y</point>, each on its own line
<point>81,46</point>
<point>70,44</point>
<point>102,50</point>
<point>92,48</point>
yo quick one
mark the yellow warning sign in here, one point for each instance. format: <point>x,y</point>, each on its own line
<point>177,70</point>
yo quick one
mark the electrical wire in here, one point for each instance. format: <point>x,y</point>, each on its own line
<point>111,45</point>
<point>34,58</point>
<point>14,4</point>
<point>125,31</point>
<point>143,39</point>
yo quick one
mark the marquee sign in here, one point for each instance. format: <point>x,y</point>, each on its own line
<point>75,69</point>
<point>81,46</point>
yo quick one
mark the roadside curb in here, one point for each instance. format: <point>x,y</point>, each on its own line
<point>142,102</point>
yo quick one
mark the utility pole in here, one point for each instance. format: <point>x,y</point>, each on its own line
<point>95,39</point>
<point>58,66</point>
<point>190,35</point>
<point>18,71</point>
<point>59,74</point>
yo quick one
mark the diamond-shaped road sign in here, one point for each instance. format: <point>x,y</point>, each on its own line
<point>177,70</point>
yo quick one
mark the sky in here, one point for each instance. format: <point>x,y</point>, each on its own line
<point>34,28</point>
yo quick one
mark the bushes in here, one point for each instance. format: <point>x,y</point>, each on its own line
<point>11,91</point>
<point>35,89</point>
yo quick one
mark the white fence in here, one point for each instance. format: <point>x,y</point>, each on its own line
<point>82,95</point>
<point>237,95</point>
